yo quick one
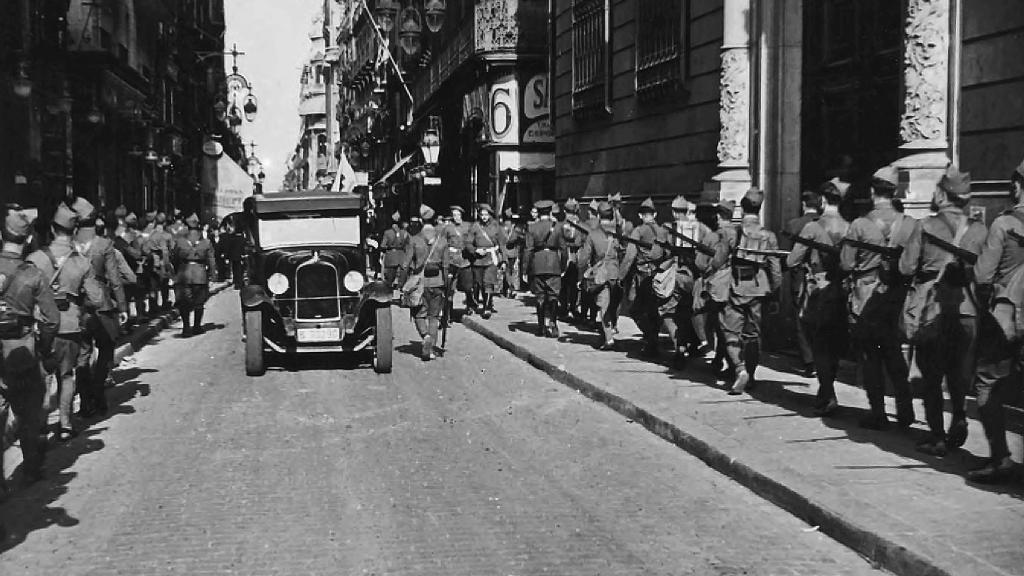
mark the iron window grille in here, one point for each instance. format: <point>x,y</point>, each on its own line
<point>659,47</point>
<point>591,57</point>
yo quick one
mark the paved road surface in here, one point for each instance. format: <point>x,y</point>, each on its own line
<point>475,464</point>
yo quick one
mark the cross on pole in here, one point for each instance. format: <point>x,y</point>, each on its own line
<point>252,145</point>
<point>234,57</point>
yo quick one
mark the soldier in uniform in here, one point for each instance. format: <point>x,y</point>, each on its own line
<point>599,259</point>
<point>543,258</point>
<point>76,291</point>
<point>719,283</point>
<point>691,265</point>
<point>811,203</point>
<point>428,255</point>
<point>460,274</point>
<point>573,240</point>
<point>102,325</point>
<point>160,242</point>
<point>515,234</point>
<point>485,247</point>
<point>943,278</point>
<point>821,297</point>
<point>641,265</point>
<point>25,297</point>
<point>999,274</point>
<point>876,299</point>
<point>393,244</point>
<point>194,259</point>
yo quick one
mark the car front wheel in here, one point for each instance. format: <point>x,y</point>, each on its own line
<point>254,363</point>
<point>383,346</point>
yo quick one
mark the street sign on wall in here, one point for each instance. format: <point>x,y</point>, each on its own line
<point>537,111</point>
<point>504,114</point>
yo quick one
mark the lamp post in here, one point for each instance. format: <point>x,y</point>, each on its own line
<point>430,145</point>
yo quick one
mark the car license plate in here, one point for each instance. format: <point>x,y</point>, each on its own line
<point>318,334</point>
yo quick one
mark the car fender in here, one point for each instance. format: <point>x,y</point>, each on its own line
<point>254,296</point>
<point>377,291</point>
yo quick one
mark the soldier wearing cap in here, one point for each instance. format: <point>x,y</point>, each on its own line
<point>588,307</point>
<point>941,278</point>
<point>755,277</point>
<point>821,295</point>
<point>178,227</point>
<point>428,255</point>
<point>641,265</point>
<point>486,249</point>
<point>998,378</point>
<point>76,292</point>
<point>103,325</point>
<point>194,259</point>
<point>876,297</point>
<point>159,250</point>
<point>393,244</point>
<point>691,266</point>
<point>28,323</point>
<point>573,240</point>
<point>599,259</point>
<point>543,259</point>
<point>811,203</point>
<point>460,274</point>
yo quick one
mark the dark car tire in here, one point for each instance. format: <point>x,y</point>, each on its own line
<point>254,361</point>
<point>383,344</point>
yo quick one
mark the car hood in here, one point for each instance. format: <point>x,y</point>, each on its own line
<point>286,260</point>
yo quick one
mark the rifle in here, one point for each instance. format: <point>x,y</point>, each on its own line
<point>830,249</point>
<point>446,312</point>
<point>887,252</point>
<point>699,246</point>
<point>1016,236</point>
<point>768,253</point>
<point>961,254</point>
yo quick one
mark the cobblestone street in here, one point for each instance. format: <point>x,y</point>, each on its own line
<point>473,464</point>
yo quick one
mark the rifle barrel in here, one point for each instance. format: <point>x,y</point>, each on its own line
<point>701,247</point>
<point>956,251</point>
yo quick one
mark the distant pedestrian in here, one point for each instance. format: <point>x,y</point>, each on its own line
<point>194,259</point>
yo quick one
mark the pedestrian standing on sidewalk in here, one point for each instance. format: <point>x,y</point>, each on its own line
<point>104,324</point>
<point>76,293</point>
<point>1000,374</point>
<point>876,299</point>
<point>641,265</point>
<point>811,203</point>
<point>486,249</point>
<point>28,323</point>
<point>194,259</point>
<point>821,297</point>
<point>544,258</point>
<point>755,278</point>
<point>944,346</point>
<point>599,259</point>
<point>428,257</point>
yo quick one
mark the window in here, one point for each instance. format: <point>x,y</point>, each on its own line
<point>659,47</point>
<point>591,56</point>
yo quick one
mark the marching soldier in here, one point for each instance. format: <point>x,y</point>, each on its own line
<point>393,244</point>
<point>25,295</point>
<point>460,274</point>
<point>599,257</point>
<point>588,307</point>
<point>428,255</point>
<point>1000,278</point>
<point>692,264</point>
<point>103,325</point>
<point>811,203</point>
<point>573,240</point>
<point>642,264</point>
<point>939,259</point>
<point>869,255</point>
<point>516,238</point>
<point>76,290</point>
<point>543,259</point>
<point>821,297</point>
<point>719,283</point>
<point>623,227</point>
<point>195,263</point>
<point>755,277</point>
<point>160,242</point>
<point>485,247</point>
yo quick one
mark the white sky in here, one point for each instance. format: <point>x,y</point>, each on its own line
<point>274,34</point>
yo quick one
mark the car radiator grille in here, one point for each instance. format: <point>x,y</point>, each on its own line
<point>316,292</point>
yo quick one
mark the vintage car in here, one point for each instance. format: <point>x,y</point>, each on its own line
<point>308,290</point>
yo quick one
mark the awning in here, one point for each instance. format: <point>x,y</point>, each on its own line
<point>525,161</point>
<point>395,168</point>
<point>225,186</point>
<point>313,105</point>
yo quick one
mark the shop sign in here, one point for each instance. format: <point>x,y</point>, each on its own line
<point>504,115</point>
<point>537,111</point>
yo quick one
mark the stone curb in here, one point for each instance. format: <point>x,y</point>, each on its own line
<point>882,551</point>
<point>142,335</point>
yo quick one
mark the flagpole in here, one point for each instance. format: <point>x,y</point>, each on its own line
<point>391,57</point>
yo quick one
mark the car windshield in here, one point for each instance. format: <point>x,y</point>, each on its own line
<point>317,230</point>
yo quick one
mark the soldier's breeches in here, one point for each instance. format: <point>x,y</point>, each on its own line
<point>191,296</point>
<point>953,358</point>
<point>432,305</point>
<point>66,348</point>
<point>391,275</point>
<point>876,358</point>
<point>485,279</point>
<point>100,331</point>
<point>741,326</point>
<point>999,379</point>
<point>827,347</point>
<point>21,393</point>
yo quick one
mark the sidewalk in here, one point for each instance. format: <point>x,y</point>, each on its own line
<point>872,491</point>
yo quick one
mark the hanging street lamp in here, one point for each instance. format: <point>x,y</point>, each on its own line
<point>430,145</point>
<point>22,82</point>
<point>435,15</point>
<point>411,31</point>
<point>385,13</point>
<point>250,107</point>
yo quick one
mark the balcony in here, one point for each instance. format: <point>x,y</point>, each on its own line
<point>499,30</point>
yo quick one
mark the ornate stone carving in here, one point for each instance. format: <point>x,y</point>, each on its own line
<point>926,74</point>
<point>496,24</point>
<point>734,140</point>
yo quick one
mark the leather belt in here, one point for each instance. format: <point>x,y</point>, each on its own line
<point>926,276</point>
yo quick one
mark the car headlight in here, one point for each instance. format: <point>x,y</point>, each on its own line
<point>277,283</point>
<point>354,281</point>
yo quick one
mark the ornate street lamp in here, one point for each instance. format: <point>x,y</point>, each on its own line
<point>164,162</point>
<point>410,31</point>
<point>95,116</point>
<point>385,14</point>
<point>435,12</point>
<point>430,145</point>
<point>22,82</point>
<point>249,107</point>
<point>220,108</point>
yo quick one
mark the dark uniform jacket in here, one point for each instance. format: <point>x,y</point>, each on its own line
<point>829,229</point>
<point>456,236</point>
<point>195,260</point>
<point>600,247</point>
<point>101,254</point>
<point>393,243</point>
<point>26,290</point>
<point>1001,265</point>
<point>544,252</point>
<point>645,260</point>
<point>755,275</point>
<point>427,252</point>
<point>76,283</point>
<point>795,226</point>
<point>489,236</point>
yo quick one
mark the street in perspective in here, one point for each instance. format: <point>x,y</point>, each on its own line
<point>511,287</point>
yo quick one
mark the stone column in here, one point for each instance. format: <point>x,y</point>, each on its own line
<point>924,127</point>
<point>734,177</point>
